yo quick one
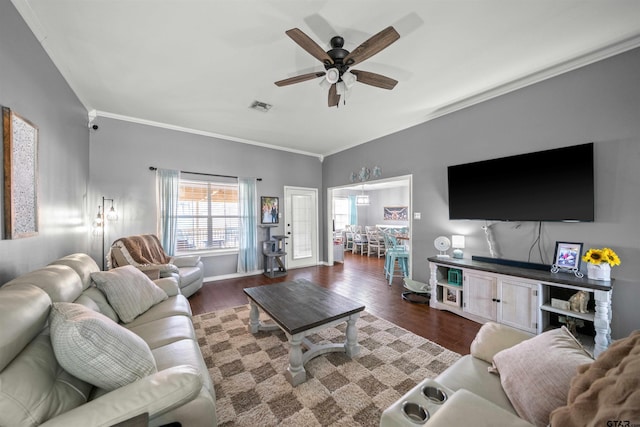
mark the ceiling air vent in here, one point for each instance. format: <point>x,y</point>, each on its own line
<point>261,106</point>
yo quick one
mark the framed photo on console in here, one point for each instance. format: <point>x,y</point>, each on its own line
<point>452,296</point>
<point>269,210</point>
<point>567,258</point>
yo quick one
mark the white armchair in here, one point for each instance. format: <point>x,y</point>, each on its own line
<point>145,252</point>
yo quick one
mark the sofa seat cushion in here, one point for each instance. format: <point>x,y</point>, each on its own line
<point>536,373</point>
<point>97,350</point>
<point>183,352</point>
<point>172,306</point>
<point>189,275</point>
<point>472,374</point>
<point>130,292</point>
<point>157,333</point>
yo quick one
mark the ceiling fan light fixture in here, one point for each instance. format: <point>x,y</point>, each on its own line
<point>325,84</point>
<point>349,79</point>
<point>333,75</point>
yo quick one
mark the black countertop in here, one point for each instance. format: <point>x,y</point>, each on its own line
<point>526,273</point>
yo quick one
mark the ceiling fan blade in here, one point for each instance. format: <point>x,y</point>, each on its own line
<point>305,42</point>
<point>372,46</point>
<point>300,78</point>
<point>374,79</point>
<point>334,98</point>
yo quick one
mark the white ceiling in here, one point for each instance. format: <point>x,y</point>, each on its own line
<point>198,65</point>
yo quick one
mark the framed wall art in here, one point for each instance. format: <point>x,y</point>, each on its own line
<point>396,213</point>
<point>20,150</point>
<point>269,210</point>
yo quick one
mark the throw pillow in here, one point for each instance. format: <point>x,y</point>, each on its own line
<point>606,390</point>
<point>129,291</point>
<point>536,373</point>
<point>97,350</point>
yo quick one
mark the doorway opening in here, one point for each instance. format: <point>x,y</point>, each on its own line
<point>389,206</point>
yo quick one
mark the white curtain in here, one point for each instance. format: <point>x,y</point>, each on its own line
<point>167,187</point>
<point>248,233</point>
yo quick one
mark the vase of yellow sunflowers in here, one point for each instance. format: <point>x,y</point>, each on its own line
<point>599,263</point>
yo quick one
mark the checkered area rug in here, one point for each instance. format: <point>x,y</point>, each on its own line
<point>251,389</point>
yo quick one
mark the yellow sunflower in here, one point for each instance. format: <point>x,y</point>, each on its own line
<point>598,256</point>
<point>594,256</point>
<point>611,257</point>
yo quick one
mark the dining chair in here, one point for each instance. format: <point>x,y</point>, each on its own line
<point>375,243</point>
<point>360,243</point>
<point>348,238</point>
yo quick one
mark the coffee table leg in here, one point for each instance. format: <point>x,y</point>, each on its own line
<point>254,318</point>
<point>295,372</point>
<point>351,346</point>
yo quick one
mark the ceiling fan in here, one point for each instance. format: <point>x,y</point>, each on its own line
<point>338,60</point>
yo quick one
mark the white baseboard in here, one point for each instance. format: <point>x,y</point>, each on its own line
<point>231,276</point>
<point>251,273</point>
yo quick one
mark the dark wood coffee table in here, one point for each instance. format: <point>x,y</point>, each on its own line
<point>301,308</point>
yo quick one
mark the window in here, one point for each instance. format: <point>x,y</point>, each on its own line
<point>340,213</point>
<point>208,215</point>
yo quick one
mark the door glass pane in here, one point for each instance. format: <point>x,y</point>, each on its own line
<point>302,209</point>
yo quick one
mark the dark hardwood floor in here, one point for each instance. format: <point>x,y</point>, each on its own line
<point>361,279</point>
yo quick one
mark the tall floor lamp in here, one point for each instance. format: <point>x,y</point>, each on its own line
<point>101,219</point>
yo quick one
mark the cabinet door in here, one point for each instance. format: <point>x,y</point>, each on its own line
<point>518,304</point>
<point>479,295</point>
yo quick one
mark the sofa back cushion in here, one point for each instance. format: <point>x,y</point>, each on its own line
<point>61,282</point>
<point>33,386</point>
<point>82,264</point>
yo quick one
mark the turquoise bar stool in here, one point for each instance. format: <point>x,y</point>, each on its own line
<point>395,254</point>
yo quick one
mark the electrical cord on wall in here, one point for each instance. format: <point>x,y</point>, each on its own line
<point>538,242</point>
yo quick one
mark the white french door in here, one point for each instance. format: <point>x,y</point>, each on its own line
<point>301,226</point>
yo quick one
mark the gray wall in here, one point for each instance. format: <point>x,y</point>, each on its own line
<point>599,103</point>
<point>386,197</point>
<point>121,153</point>
<point>31,86</point>
<point>378,199</point>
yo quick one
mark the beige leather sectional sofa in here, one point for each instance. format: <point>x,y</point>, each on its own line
<point>513,379</point>
<point>63,332</point>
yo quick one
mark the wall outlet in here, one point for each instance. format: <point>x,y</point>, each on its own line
<point>417,215</point>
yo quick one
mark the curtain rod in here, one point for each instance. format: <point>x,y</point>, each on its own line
<point>153,168</point>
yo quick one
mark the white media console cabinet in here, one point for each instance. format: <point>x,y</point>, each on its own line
<point>505,292</point>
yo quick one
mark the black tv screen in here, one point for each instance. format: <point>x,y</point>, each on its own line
<point>551,185</point>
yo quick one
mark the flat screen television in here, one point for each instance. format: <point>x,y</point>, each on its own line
<point>550,185</point>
